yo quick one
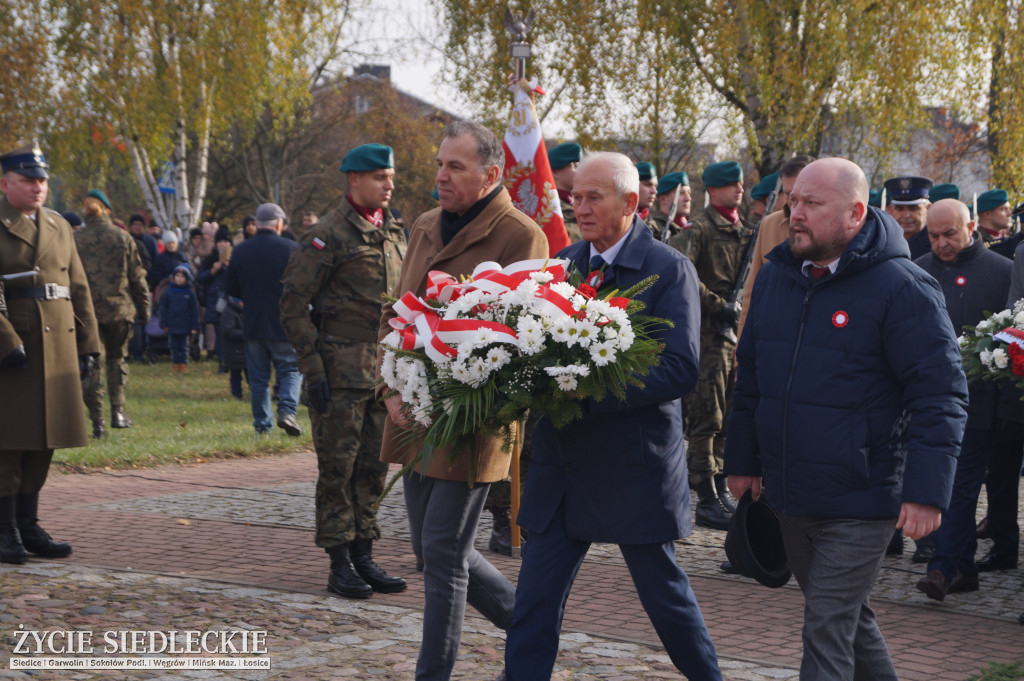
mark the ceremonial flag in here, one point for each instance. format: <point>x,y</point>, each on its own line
<point>528,176</point>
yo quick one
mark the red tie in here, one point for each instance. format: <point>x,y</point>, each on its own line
<point>817,272</point>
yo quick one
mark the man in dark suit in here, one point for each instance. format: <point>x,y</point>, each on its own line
<point>618,474</point>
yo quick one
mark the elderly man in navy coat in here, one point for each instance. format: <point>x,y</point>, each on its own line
<point>617,475</point>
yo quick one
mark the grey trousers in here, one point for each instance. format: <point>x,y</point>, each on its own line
<point>443,517</point>
<point>836,563</point>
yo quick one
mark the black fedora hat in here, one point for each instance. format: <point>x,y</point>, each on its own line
<point>754,543</point>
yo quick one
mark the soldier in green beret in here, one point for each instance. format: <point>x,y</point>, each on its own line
<point>994,215</point>
<point>875,198</point>
<point>48,342</point>
<point>648,189</point>
<point>946,190</point>
<point>667,185</point>
<point>563,159</point>
<point>334,287</point>
<point>117,281</point>
<point>759,196</point>
<point>716,245</point>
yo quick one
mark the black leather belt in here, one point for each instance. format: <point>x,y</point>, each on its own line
<point>45,292</point>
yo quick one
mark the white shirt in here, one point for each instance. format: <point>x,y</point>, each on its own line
<point>609,253</point>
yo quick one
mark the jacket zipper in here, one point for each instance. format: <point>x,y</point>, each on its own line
<point>789,386</point>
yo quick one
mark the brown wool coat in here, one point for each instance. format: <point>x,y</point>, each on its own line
<point>500,233</point>
<point>42,408</point>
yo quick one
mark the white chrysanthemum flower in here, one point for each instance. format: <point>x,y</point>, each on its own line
<point>960,340</point>
<point>528,324</point>
<point>986,357</point>
<point>556,371</point>
<point>387,369</point>
<point>603,353</point>
<point>542,277</point>
<point>616,315</point>
<point>498,357</point>
<point>566,382</point>
<point>563,288</point>
<point>1018,319</point>
<point>461,373</point>
<point>578,301</point>
<point>393,339</point>
<point>579,369</point>
<point>479,370</point>
<point>1000,358</point>
<point>531,345</point>
<point>608,332</point>
<point>563,331</point>
<point>586,332</point>
<point>626,338</point>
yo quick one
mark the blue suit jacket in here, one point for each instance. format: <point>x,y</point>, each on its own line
<point>621,469</point>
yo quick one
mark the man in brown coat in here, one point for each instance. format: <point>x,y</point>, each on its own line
<point>476,222</point>
<point>48,338</point>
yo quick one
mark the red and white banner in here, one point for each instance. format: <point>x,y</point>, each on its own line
<point>528,175</point>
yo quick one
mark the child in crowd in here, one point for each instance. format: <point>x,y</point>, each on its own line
<point>232,343</point>
<point>179,315</point>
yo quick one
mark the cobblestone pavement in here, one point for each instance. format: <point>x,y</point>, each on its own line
<point>310,637</point>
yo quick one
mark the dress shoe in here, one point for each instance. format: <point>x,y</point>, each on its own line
<point>118,419</point>
<point>981,530</point>
<point>895,547</point>
<point>728,569</point>
<point>923,554</point>
<point>993,562</point>
<point>934,585</point>
<point>35,539</point>
<point>963,583</point>
<point>343,579</point>
<point>290,425</point>
<point>501,530</point>
<point>361,553</point>
<point>722,490</point>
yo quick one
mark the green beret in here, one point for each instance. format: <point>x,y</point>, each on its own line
<point>763,189</point>
<point>875,198</point>
<point>646,170</point>
<point>943,191</point>
<point>368,157</point>
<point>100,196</point>
<point>667,183</point>
<point>561,155</point>
<point>722,173</point>
<point>993,198</point>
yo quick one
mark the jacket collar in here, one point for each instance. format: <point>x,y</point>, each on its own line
<point>18,223</point>
<point>631,256</point>
<point>476,231</point>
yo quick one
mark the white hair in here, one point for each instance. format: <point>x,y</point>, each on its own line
<point>625,177</point>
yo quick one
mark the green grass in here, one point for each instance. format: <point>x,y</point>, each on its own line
<point>1012,671</point>
<point>182,418</point>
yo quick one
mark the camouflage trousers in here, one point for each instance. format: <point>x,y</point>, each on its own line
<point>501,491</point>
<point>347,440</point>
<point>115,337</point>
<point>707,408</point>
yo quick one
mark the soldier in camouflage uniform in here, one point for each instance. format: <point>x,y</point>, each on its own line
<point>563,159</point>
<point>716,246</point>
<point>343,266</point>
<point>663,204</point>
<point>117,281</point>
<point>648,189</point>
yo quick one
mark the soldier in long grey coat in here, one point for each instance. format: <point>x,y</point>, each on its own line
<point>341,269</point>
<point>48,338</point>
<point>117,281</point>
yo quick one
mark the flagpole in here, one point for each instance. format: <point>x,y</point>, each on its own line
<point>517,27</point>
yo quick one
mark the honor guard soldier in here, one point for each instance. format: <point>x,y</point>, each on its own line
<point>48,341</point>
<point>717,245</point>
<point>759,197</point>
<point>995,219</point>
<point>946,190</point>
<point>875,198</point>
<point>334,289</point>
<point>667,185</point>
<point>563,159</point>
<point>117,281</point>
<point>907,202</point>
<point>648,189</point>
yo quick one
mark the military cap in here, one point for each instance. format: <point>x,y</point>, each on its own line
<point>73,219</point>
<point>763,189</point>
<point>646,170</point>
<point>907,190</point>
<point>875,198</point>
<point>563,154</point>
<point>993,198</point>
<point>367,157</point>
<point>99,196</point>
<point>944,191</point>
<point>26,160</point>
<point>268,212</point>
<point>722,173</point>
<point>667,183</point>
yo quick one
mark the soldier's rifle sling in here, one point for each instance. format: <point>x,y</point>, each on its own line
<point>728,331</point>
<point>671,215</point>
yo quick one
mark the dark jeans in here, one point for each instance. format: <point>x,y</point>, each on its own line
<point>178,344</point>
<point>956,541</point>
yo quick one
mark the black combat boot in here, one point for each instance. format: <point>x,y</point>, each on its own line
<point>710,512</point>
<point>118,419</point>
<point>35,538</point>
<point>11,548</point>
<point>343,579</point>
<point>99,428</point>
<point>501,530</point>
<point>372,574</point>
<point>722,489</point>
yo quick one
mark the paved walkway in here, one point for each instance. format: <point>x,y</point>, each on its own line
<point>229,544</point>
